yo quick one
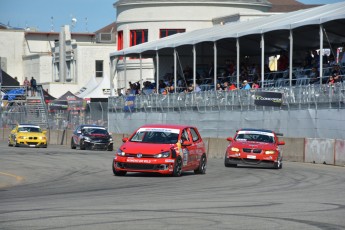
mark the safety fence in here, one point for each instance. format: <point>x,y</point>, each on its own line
<point>93,113</point>
<point>297,97</point>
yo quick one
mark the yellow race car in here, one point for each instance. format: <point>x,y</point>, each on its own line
<point>28,135</point>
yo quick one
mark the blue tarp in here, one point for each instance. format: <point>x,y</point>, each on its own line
<point>14,94</point>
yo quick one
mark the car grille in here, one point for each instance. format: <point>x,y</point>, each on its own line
<point>32,143</point>
<point>32,138</point>
<point>137,166</point>
<point>247,150</point>
<point>135,155</point>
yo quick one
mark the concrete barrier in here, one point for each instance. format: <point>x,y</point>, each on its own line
<point>311,150</point>
<point>319,151</point>
<point>293,150</point>
<point>339,155</point>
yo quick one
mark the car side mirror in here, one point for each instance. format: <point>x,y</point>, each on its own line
<point>44,131</point>
<point>186,143</point>
<point>229,139</point>
<point>79,131</point>
<point>125,139</point>
<point>281,142</point>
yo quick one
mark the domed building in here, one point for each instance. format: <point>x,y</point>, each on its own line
<point>140,21</point>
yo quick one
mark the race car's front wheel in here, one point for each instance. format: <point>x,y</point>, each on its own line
<point>202,166</point>
<point>227,164</point>
<point>117,172</point>
<point>278,164</point>
<point>72,144</point>
<point>82,145</point>
<point>177,167</point>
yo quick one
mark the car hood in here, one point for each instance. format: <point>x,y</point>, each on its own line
<point>145,148</point>
<point>35,134</point>
<point>253,145</point>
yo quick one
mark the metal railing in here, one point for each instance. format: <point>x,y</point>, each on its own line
<point>297,97</point>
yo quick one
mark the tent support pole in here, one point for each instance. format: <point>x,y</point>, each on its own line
<point>262,60</point>
<point>321,53</point>
<point>175,70</point>
<point>215,64</point>
<point>290,56</point>
<point>238,62</point>
<point>125,73</point>
<point>194,68</point>
<point>157,72</point>
<point>141,71</point>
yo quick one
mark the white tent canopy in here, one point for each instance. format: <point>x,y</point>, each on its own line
<point>95,89</point>
<point>331,15</point>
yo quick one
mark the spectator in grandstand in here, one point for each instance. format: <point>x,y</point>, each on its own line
<point>255,84</point>
<point>331,80</point>
<point>246,85</point>
<point>171,89</point>
<point>307,60</point>
<point>232,86</point>
<point>197,88</point>
<point>219,87</point>
<point>316,58</point>
<point>314,76</point>
<point>226,86</point>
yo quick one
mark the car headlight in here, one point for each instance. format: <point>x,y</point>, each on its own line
<point>233,149</point>
<point>87,139</point>
<point>270,152</point>
<point>163,155</point>
<point>42,138</point>
<point>22,137</point>
<point>120,153</point>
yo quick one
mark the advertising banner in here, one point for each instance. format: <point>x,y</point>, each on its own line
<point>268,99</point>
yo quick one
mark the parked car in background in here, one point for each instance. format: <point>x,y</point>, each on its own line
<point>161,148</point>
<point>28,135</point>
<point>254,147</point>
<point>93,137</point>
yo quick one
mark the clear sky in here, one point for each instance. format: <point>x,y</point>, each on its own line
<point>91,15</point>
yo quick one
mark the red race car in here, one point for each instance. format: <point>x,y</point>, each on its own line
<point>254,147</point>
<point>164,149</point>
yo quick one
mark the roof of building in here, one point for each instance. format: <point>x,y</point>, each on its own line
<point>288,6</point>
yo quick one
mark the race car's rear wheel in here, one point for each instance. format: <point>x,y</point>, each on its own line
<point>117,172</point>
<point>72,144</point>
<point>177,167</point>
<point>202,166</point>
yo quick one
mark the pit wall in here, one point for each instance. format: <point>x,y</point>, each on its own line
<point>308,150</point>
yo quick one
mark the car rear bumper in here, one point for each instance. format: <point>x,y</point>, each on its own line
<point>162,166</point>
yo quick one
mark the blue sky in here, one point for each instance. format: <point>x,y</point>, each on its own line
<point>38,13</point>
<point>91,15</point>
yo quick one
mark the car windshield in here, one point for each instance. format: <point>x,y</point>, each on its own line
<point>92,131</point>
<point>258,137</point>
<point>29,129</point>
<point>155,137</point>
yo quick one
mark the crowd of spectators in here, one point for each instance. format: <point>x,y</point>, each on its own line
<point>250,75</point>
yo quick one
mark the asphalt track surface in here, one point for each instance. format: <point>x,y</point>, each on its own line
<point>60,188</point>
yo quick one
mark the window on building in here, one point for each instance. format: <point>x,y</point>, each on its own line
<point>167,32</point>
<point>99,68</point>
<point>119,40</point>
<point>138,36</point>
